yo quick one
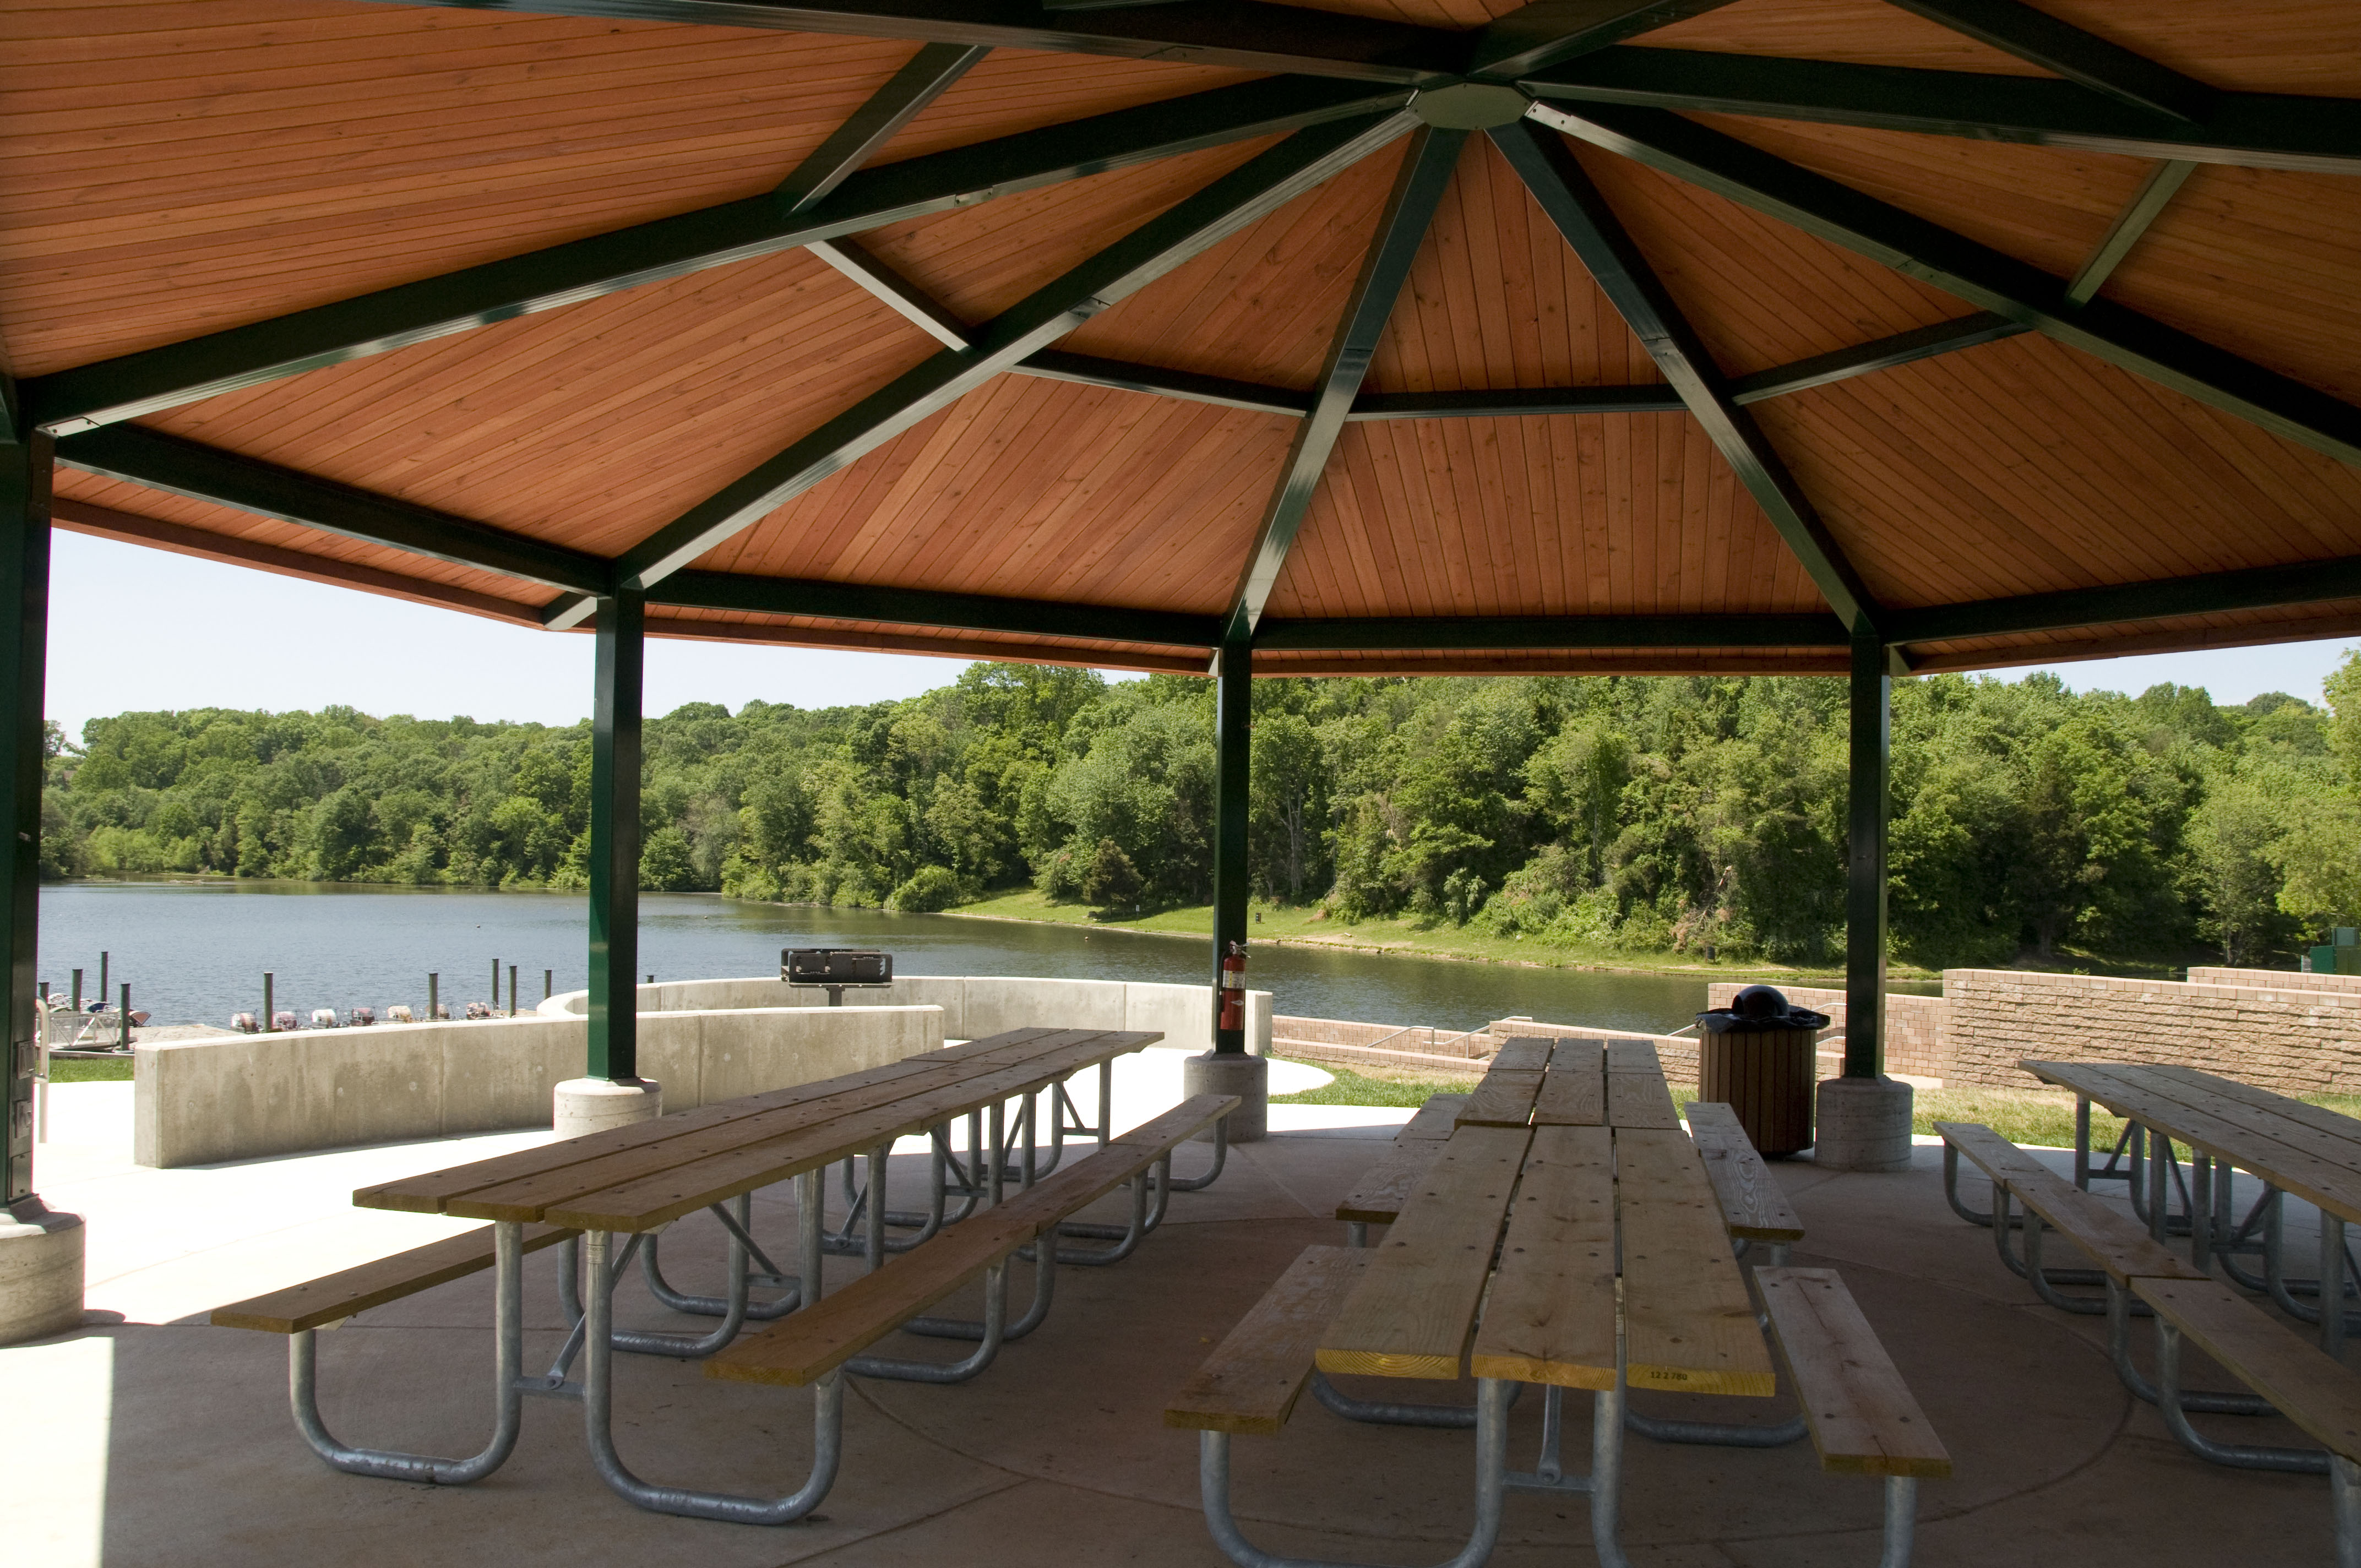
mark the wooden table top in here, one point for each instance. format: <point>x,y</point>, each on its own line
<point>644,1176</point>
<point>2303,1149</point>
<point>1548,1200</point>
<point>1573,1083</point>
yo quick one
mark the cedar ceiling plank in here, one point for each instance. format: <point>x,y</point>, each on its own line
<point>1260,306</point>
<point>2265,263</point>
<point>1760,292</point>
<point>2046,206</point>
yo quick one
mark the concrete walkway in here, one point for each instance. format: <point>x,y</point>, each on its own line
<point>153,1439</point>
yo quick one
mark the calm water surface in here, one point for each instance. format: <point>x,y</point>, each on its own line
<point>197,953</point>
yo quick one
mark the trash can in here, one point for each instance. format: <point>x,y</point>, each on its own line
<point>1756,1054</point>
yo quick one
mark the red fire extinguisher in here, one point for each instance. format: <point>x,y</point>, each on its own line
<point>1234,988</point>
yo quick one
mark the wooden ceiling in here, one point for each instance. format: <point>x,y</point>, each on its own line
<point>503,311</point>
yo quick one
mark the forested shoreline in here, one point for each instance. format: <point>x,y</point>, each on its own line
<point>1607,815</point>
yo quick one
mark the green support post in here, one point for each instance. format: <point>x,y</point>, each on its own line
<point>25,470</point>
<point>1872,713</point>
<point>1233,728</point>
<point>615,838</point>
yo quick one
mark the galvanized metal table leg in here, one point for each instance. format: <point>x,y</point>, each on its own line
<point>742,1225</point>
<point>1356,1233</point>
<point>873,1246</point>
<point>992,1332</point>
<point>2159,1155</point>
<point>994,1182</point>
<point>1045,1284</point>
<point>1491,1455</point>
<point>2332,1284</point>
<point>2119,1307</point>
<point>508,1395</point>
<point>598,1403</point>
<point>1901,1520</point>
<point>2082,1142</point>
<point>1106,1102</point>
<point>2244,1456</point>
<point>1606,1470</point>
<point>2344,1498</point>
<point>1220,1153</point>
<point>1951,1189</point>
<point>2201,1210</point>
<point>1398,1412</point>
<point>811,1224</point>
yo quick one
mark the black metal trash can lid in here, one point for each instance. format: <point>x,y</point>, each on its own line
<point>1760,1007</point>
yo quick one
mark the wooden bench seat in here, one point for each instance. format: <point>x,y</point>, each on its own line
<point>2117,1241</point>
<point>1378,1197</point>
<point>1753,1205</point>
<point>1253,1379</point>
<point>2320,1395</point>
<point>808,1344</point>
<point>333,1298</point>
<point>1862,1416</point>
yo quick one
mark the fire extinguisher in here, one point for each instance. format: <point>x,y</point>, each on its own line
<point>1234,988</point>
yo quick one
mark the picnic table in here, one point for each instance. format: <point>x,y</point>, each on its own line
<point>2289,1145</point>
<point>634,1180</point>
<point>1502,1263</point>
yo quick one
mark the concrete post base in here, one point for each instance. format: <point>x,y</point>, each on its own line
<point>1246,1076</point>
<point>594,1105</point>
<point>1864,1124</point>
<point>41,1272</point>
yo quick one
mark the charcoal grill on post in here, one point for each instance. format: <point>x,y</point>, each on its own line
<point>835,970</point>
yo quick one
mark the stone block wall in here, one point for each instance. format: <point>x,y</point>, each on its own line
<point>2274,1036</point>
<point>1913,1024</point>
<point>2277,980</point>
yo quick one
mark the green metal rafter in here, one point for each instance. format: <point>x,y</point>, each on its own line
<point>2264,130</point>
<point>1582,214</point>
<point>2058,46</point>
<point>1425,170</point>
<point>868,129</point>
<point>2211,593</point>
<point>155,461</point>
<point>1882,354</point>
<point>1536,35</point>
<point>1194,224</point>
<point>2147,205</point>
<point>152,380</point>
<point>1976,273</point>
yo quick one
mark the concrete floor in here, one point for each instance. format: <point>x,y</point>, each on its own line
<point>154,1438</point>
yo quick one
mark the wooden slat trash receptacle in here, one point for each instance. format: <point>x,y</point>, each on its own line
<point>1758,1056</point>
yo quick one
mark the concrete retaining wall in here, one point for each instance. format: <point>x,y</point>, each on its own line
<point>2276,979</point>
<point>243,1096</point>
<point>977,1005</point>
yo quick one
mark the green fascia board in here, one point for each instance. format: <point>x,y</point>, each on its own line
<point>2213,593</point>
<point>925,608</point>
<point>1978,274</point>
<point>1242,35</point>
<point>225,361</point>
<point>155,461</point>
<point>1457,633</point>
<point>2261,131</point>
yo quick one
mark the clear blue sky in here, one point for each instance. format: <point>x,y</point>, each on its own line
<point>133,628</point>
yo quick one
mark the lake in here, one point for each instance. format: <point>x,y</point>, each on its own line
<point>195,952</point>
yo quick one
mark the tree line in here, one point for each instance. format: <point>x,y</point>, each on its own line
<point>1610,814</point>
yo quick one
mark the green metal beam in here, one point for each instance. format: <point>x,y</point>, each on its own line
<point>1056,364</point>
<point>2264,130</point>
<point>620,679</point>
<point>1242,35</point>
<point>2212,592</point>
<point>1882,354</point>
<point>898,294</point>
<point>1976,273</point>
<point>1439,633</point>
<point>921,606</point>
<point>1540,34</point>
<point>2058,46</point>
<point>134,384</point>
<point>1418,187</point>
<point>1516,403</point>
<point>155,461</point>
<point>24,471</point>
<point>1188,229</point>
<point>1582,214</point>
<point>1233,808</point>
<point>2147,205</point>
<point>1869,776</point>
<point>918,83</point>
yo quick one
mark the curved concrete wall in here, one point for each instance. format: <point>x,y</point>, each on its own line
<point>976,1005</point>
<point>242,1096</point>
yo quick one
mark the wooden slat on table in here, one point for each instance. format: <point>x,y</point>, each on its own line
<point>1633,1056</point>
<point>661,1197</point>
<point>1385,1186</point>
<point>1435,1120</point>
<point>2317,1180</point>
<point>1574,1092</point>
<point>1524,1054</point>
<point>1504,1099</point>
<point>1413,1312</point>
<point>428,1191</point>
<point>1688,1323</point>
<point>2259,1109</point>
<point>1641,1099</point>
<point>1550,1317</point>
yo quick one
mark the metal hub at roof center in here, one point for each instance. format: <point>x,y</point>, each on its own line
<point>1470,106</point>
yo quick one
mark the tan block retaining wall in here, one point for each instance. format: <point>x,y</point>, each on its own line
<point>2276,979</point>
